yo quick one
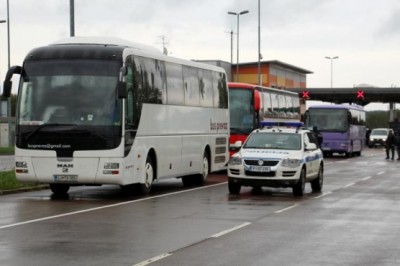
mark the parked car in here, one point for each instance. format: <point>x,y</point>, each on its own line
<point>277,157</point>
<point>378,137</point>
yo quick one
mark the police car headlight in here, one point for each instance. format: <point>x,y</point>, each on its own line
<point>235,161</point>
<point>292,163</point>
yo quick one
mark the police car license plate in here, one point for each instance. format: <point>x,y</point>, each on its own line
<point>65,178</point>
<point>260,168</point>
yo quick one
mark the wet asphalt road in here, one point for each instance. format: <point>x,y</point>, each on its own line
<point>353,222</point>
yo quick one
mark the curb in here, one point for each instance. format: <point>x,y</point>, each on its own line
<point>26,189</point>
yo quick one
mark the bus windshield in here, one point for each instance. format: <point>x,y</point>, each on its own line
<point>241,110</point>
<point>328,120</point>
<point>78,92</point>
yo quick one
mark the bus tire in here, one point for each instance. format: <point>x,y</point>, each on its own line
<point>200,179</point>
<point>316,184</point>
<point>59,189</point>
<point>145,188</point>
<point>298,189</point>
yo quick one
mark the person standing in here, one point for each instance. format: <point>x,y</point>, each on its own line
<point>390,144</point>
<point>397,136</point>
<point>318,135</point>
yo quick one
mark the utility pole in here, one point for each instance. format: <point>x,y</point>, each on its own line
<point>9,64</point>
<point>165,50</point>
<point>72,18</point>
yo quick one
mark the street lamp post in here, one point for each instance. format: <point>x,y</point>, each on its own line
<point>237,56</point>
<point>332,58</point>
<point>72,18</point>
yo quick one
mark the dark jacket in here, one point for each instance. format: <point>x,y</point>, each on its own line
<point>391,140</point>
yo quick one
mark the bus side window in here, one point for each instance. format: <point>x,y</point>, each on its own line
<point>129,104</point>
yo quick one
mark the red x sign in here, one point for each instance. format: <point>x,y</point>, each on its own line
<point>305,94</point>
<point>360,94</point>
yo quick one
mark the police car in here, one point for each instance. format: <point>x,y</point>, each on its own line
<point>278,155</point>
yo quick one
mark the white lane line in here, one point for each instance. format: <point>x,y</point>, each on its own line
<point>286,209</point>
<point>366,178</point>
<point>231,230</point>
<point>323,195</point>
<point>106,206</point>
<point>349,185</point>
<point>381,173</point>
<point>147,262</point>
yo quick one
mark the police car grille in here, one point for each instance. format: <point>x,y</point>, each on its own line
<point>266,163</point>
<point>268,174</point>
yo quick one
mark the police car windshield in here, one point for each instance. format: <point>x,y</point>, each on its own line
<point>271,140</point>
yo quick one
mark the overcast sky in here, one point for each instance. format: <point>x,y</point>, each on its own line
<point>364,34</point>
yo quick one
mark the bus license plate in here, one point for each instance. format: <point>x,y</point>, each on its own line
<point>65,178</point>
<point>260,168</point>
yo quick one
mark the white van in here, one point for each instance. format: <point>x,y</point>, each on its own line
<point>378,137</point>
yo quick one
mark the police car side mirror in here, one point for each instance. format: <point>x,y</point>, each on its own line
<point>310,146</point>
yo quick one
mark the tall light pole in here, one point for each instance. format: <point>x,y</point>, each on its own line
<point>9,65</point>
<point>237,56</point>
<point>332,58</point>
<point>259,44</point>
<point>71,18</point>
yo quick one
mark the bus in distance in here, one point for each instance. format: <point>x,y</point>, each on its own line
<point>342,128</point>
<point>251,104</point>
<point>95,111</point>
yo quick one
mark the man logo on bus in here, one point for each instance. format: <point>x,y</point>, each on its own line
<point>65,166</point>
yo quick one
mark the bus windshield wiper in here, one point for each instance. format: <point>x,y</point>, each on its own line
<point>44,126</point>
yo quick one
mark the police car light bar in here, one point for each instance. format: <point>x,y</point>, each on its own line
<point>295,124</point>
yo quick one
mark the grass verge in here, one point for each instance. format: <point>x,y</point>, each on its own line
<point>9,182</point>
<point>6,150</point>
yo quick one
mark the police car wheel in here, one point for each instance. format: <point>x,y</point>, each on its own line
<point>298,189</point>
<point>234,188</point>
<point>316,184</point>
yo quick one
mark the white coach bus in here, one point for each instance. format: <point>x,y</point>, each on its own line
<point>95,111</point>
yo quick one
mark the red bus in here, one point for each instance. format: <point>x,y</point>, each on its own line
<point>250,104</point>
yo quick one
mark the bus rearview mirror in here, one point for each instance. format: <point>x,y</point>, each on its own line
<point>121,88</point>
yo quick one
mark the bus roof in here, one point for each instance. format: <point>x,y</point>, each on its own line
<point>337,106</point>
<point>239,85</point>
<point>109,41</point>
<point>128,48</point>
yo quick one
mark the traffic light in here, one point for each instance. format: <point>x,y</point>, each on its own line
<point>360,95</point>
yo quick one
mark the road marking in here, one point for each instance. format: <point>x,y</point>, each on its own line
<point>286,209</point>
<point>230,230</point>
<point>154,259</point>
<point>107,206</point>
<point>349,185</point>
<point>366,178</point>
<point>323,195</point>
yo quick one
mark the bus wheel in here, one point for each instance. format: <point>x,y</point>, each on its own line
<point>145,187</point>
<point>298,189</point>
<point>59,189</point>
<point>201,179</point>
